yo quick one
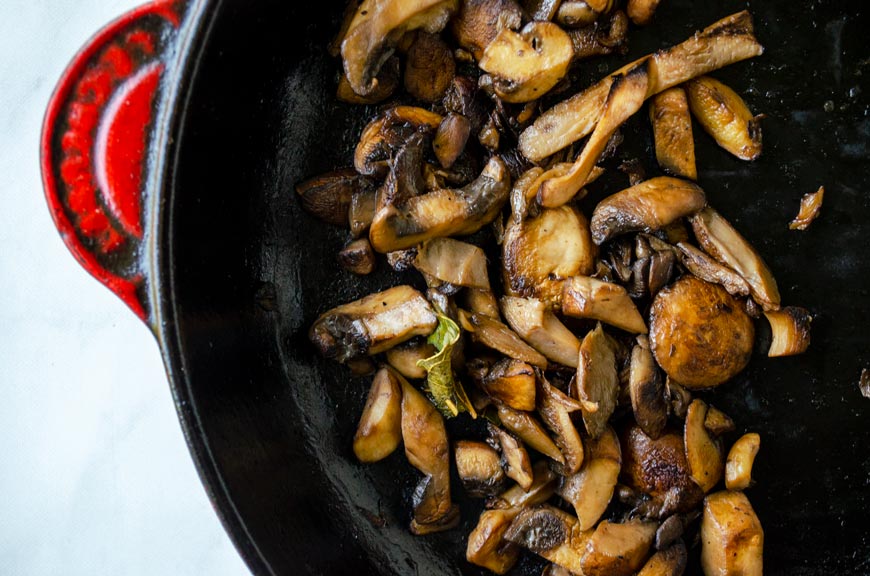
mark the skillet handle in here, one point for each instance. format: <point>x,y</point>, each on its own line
<point>97,133</point>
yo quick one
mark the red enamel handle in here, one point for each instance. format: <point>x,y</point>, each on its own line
<point>96,134</point>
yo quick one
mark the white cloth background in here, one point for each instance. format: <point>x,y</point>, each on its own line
<point>95,476</point>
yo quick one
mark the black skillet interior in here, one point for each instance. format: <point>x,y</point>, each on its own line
<point>247,272</point>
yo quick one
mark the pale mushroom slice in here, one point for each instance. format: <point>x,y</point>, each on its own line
<point>591,489</point>
<point>575,13</point>
<point>651,205</point>
<point>453,261</point>
<point>377,27</point>
<point>703,452</point>
<point>708,269</point>
<point>373,324</point>
<point>732,539</point>
<point>525,65</point>
<point>552,534</point>
<point>618,548</point>
<point>741,457</point>
<point>647,390</point>
<point>444,212</point>
<point>527,427</point>
<point>588,297</point>
<point>672,132</point>
<point>493,333</point>
<point>478,466</point>
<point>555,408</point>
<point>790,331</point>
<point>539,253</point>
<point>724,115</point>
<point>597,381</point>
<point>481,302</point>
<point>718,238</point>
<point>725,42</point>
<point>539,327</point>
<point>379,431</point>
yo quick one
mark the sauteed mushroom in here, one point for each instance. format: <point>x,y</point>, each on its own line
<point>672,132</point>
<point>539,326</point>
<point>732,540</point>
<point>478,23</point>
<point>379,432</point>
<point>723,114</point>
<point>478,466</point>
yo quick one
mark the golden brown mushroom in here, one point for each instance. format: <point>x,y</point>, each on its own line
<point>555,408</point>
<point>591,489</point>
<point>811,207</point>
<point>358,257</point>
<point>597,381</point>
<point>741,457</point>
<point>672,132</point>
<point>379,431</point>
<point>723,114</point>
<point>453,261</point>
<point>703,451</point>
<point>478,466</point>
<point>552,534</point>
<point>647,390</point>
<point>538,325</point>
<point>587,297</point>
<point>732,539</point>
<point>527,427</point>
<point>512,382</point>
<point>790,330</point>
<point>478,22</point>
<point>618,549</point>
<point>494,334</point>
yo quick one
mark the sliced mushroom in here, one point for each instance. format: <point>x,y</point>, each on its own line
<point>429,67</point>
<point>379,431</point>
<point>669,531</point>
<point>575,13</point>
<point>671,561</point>
<point>679,397</point>
<point>453,261</point>
<point>527,64</point>
<point>551,534</point>
<point>732,539</point>
<point>641,12</point>
<point>587,297</point>
<point>618,549</point>
<point>647,390</point>
<point>377,27</point>
<point>478,22</point>
<point>543,487</point>
<point>672,130</point>
<point>361,212</point>
<point>539,253</point>
<point>527,428</point>
<point>465,98</point>
<point>486,545</point>
<point>481,302</point>
<point>706,268</point>
<point>451,138</point>
<point>478,466</point>
<point>328,196</point>
<point>650,205</point>
<point>555,408</point>
<point>494,334</point>
<point>717,422</point>
<point>537,325</point>
<point>790,329</point>
<point>358,257</point>
<point>405,356</point>
<point>687,321</point>
<point>591,489</point>
<point>723,114</point>
<point>386,133</point>
<point>607,35</point>
<point>741,457</point>
<point>515,457</point>
<point>720,240</point>
<point>387,81</point>
<point>597,381</point>
<point>703,452</point>
<point>811,207</point>
<point>442,213</point>
<point>373,324</point>
<point>541,9</point>
<point>725,42</point>
<point>428,450</point>
<point>512,382</point>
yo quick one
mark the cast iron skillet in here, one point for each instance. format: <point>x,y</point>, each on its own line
<point>170,151</point>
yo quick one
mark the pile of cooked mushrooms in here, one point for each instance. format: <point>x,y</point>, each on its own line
<point>578,338</point>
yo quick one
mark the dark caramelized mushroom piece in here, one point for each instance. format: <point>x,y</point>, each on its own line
<point>478,466</point>
<point>512,382</point>
<point>493,333</point>
<point>429,67</point>
<point>358,257</point>
<point>515,458</point>
<point>329,196</point>
<point>552,534</point>
<point>555,408</point>
<point>527,428</point>
<point>387,82</point>
<point>671,561</point>
<point>487,546</point>
<point>647,390</point>
<point>607,35</point>
<point>478,22</point>
<point>384,135</point>
<point>451,138</point>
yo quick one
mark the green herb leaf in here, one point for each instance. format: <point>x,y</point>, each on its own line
<point>445,390</point>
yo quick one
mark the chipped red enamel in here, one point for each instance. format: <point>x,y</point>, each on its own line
<point>95,138</point>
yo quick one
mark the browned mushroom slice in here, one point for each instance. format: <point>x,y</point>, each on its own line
<point>720,240</point>
<point>625,97</point>
<point>678,396</point>
<point>358,257</point>
<point>376,28</point>
<point>641,12</point>
<point>717,422</point>
<point>453,261</point>
<point>526,427</point>
<point>551,534</point>
<point>659,468</point>
<point>687,321</point>
<point>541,9</point>
<point>555,408</point>
<point>587,297</point>
<point>543,487</point>
<point>539,253</point>
<point>478,466</point>
<point>429,67</point>
<point>451,138</point>
<point>724,42</point>
<point>607,35</point>
<point>703,452</point>
<point>513,383</point>
<point>618,549</point>
<point>379,431</point>
<point>723,114</point>
<point>525,65</point>
<point>373,324</point>
<point>672,132</point>
<point>478,22</point>
<point>486,545</point>
<point>405,356</point>
<point>790,329</point>
<point>494,334</point>
<point>575,13</point>
<point>741,457</point>
<point>361,212</point>
<point>538,325</point>
<point>515,457</point>
<point>732,540</point>
<point>706,268</point>
<point>597,381</point>
<point>671,561</point>
<point>481,302</point>
<point>387,82</point>
<point>386,133</point>
<point>328,196</point>
<point>441,213</point>
<point>591,489</point>
<point>650,205</point>
<point>811,207</point>
<point>428,450</point>
<point>647,390</point>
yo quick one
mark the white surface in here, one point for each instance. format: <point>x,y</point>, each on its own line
<point>95,475</point>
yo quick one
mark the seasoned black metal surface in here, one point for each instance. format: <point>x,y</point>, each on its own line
<point>246,272</point>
